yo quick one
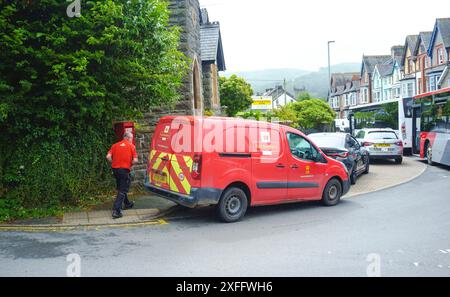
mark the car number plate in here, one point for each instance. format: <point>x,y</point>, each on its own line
<point>383,145</point>
<point>159,178</point>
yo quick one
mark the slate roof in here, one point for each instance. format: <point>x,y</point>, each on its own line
<point>211,44</point>
<point>340,79</point>
<point>398,52</point>
<point>425,38</point>
<point>385,69</point>
<point>369,62</point>
<point>277,92</point>
<point>443,26</point>
<point>410,43</point>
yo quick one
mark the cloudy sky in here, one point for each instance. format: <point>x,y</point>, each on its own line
<point>265,34</point>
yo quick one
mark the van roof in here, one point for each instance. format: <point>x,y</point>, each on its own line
<point>238,121</point>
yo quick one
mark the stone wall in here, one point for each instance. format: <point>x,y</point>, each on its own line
<point>144,133</point>
<point>186,15</point>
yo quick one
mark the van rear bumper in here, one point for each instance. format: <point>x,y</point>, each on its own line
<point>198,196</point>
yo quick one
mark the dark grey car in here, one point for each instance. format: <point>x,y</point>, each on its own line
<point>345,148</point>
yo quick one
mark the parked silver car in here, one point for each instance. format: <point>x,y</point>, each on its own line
<point>381,144</point>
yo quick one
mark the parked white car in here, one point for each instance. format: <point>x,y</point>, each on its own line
<point>381,144</point>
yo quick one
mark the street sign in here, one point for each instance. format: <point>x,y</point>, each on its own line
<point>262,103</point>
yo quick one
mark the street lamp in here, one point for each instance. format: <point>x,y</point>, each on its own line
<point>329,68</point>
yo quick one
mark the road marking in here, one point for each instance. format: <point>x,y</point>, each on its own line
<point>35,229</point>
<point>444,252</point>
<point>416,264</point>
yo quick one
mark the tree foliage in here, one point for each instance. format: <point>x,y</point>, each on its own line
<point>306,115</point>
<point>313,113</point>
<point>235,94</point>
<point>304,96</point>
<point>63,81</point>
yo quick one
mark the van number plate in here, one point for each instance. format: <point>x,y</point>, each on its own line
<point>159,178</point>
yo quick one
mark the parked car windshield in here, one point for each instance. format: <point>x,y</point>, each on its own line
<point>382,135</point>
<point>328,140</point>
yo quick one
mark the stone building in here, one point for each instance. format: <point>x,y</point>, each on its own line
<point>201,42</point>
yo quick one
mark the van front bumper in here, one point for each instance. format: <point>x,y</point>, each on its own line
<point>198,196</point>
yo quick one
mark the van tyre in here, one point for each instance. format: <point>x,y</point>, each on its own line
<point>332,193</point>
<point>233,205</point>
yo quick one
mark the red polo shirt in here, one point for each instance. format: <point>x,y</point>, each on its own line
<point>123,154</point>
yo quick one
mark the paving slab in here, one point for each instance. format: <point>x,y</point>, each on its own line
<point>385,174</point>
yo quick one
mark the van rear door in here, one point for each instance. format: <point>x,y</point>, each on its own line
<point>159,164</point>
<point>183,157</point>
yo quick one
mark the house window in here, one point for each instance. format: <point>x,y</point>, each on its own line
<point>411,66</point>
<point>432,84</point>
<point>410,90</point>
<point>440,54</point>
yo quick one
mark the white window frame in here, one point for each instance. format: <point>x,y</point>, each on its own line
<point>440,56</point>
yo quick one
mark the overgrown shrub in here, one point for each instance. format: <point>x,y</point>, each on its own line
<point>63,81</point>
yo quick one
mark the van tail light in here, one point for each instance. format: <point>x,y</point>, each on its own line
<point>367,144</point>
<point>340,155</point>
<point>197,167</point>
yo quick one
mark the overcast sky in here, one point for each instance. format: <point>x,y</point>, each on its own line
<point>265,34</point>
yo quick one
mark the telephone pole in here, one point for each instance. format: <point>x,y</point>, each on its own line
<point>329,69</point>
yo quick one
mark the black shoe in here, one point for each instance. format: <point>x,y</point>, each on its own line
<point>116,214</point>
<point>129,206</point>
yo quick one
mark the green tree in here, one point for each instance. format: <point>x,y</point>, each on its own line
<point>235,94</point>
<point>313,113</point>
<point>63,81</point>
<point>303,96</point>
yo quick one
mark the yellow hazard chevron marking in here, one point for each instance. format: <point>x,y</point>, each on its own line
<point>178,171</point>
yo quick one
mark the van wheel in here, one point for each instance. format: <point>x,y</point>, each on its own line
<point>233,205</point>
<point>332,193</point>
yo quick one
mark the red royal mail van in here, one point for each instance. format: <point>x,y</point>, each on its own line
<point>235,164</point>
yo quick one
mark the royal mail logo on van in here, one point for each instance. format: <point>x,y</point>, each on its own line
<point>181,177</point>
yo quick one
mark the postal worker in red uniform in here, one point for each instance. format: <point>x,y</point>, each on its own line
<point>122,156</point>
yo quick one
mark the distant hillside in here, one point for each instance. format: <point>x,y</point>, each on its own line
<point>264,79</point>
<point>315,83</point>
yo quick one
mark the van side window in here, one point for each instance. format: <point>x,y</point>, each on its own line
<point>301,148</point>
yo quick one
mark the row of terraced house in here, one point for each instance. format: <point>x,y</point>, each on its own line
<point>419,66</point>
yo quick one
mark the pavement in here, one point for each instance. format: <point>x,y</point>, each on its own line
<point>150,208</point>
<point>385,174</point>
<point>403,231</point>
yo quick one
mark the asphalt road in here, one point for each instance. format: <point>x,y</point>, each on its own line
<point>406,228</point>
